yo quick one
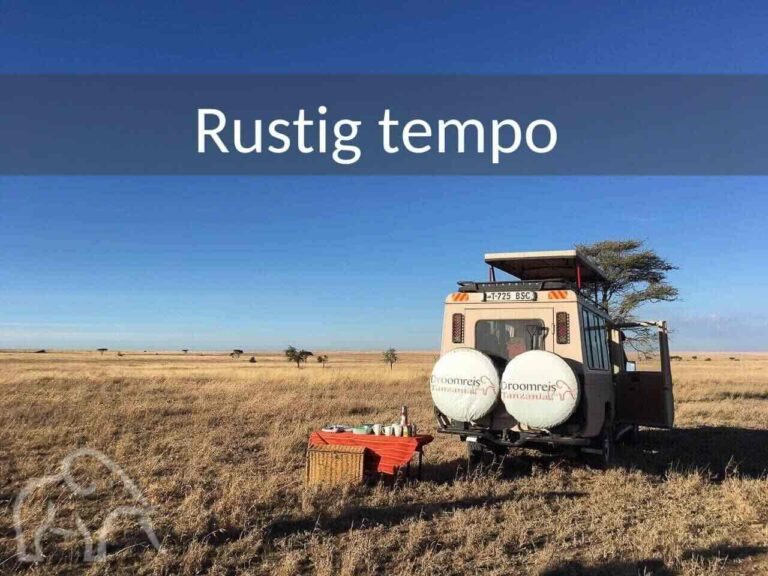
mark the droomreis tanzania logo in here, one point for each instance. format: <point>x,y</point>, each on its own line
<point>560,390</point>
<point>30,541</point>
<point>482,385</point>
<point>563,390</point>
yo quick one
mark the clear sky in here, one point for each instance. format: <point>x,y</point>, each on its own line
<point>332,262</point>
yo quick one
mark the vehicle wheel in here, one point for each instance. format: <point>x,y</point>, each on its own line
<point>630,435</point>
<point>608,446</point>
<point>480,455</point>
<point>603,448</point>
<point>476,454</point>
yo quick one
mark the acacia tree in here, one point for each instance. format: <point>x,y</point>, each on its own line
<point>294,355</point>
<point>101,350</point>
<point>236,353</point>
<point>322,359</point>
<point>390,356</point>
<point>636,275</point>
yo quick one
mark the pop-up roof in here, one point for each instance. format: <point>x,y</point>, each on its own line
<point>569,265</point>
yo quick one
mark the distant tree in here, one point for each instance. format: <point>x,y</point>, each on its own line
<point>120,354</point>
<point>390,356</point>
<point>252,360</point>
<point>236,353</point>
<point>294,355</point>
<point>322,358</point>
<point>102,350</point>
<point>185,350</point>
<point>636,275</point>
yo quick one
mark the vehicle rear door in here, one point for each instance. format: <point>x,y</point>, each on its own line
<point>645,397</point>
<point>506,332</point>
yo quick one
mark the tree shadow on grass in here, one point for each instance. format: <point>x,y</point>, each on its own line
<point>652,566</point>
<point>386,516</point>
<point>721,450</point>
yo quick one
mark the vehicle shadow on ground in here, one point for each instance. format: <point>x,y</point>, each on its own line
<point>386,516</point>
<point>444,472</point>
<point>652,565</point>
<point>510,466</point>
<point>720,450</point>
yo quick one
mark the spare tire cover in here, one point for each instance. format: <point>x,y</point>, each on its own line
<point>464,384</point>
<point>539,389</point>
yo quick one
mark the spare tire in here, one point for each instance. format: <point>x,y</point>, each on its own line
<point>539,389</point>
<point>464,384</point>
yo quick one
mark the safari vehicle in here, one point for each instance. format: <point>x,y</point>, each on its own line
<point>537,362</point>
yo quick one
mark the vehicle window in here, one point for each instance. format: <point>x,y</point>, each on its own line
<point>596,354</point>
<point>594,336</point>
<point>505,339</point>
<point>589,358</point>
<point>605,356</point>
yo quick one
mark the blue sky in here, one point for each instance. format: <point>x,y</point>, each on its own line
<point>333,262</point>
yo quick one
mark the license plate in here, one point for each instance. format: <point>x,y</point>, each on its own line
<point>520,296</point>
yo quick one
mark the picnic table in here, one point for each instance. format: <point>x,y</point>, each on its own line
<point>388,454</point>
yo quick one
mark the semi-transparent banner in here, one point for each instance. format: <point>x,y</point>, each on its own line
<point>358,124</point>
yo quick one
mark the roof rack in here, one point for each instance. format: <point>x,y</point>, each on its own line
<point>550,270</point>
<point>564,265</point>
<point>512,286</point>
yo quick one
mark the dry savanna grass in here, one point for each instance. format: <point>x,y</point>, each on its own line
<point>217,445</point>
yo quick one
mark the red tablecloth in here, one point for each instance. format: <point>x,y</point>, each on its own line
<point>388,452</point>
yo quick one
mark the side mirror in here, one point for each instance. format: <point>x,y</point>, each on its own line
<point>630,366</point>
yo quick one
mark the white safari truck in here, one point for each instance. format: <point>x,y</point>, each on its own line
<point>536,362</point>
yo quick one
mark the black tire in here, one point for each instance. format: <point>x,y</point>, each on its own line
<point>481,455</point>
<point>606,443</point>
<point>630,435</point>
<point>603,448</point>
<point>476,454</point>
<point>607,440</point>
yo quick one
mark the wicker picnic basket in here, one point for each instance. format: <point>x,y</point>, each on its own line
<point>333,464</point>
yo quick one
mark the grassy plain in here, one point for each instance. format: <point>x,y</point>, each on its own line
<point>217,447</point>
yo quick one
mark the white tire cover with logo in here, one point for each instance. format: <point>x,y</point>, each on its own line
<point>464,384</point>
<point>539,389</point>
